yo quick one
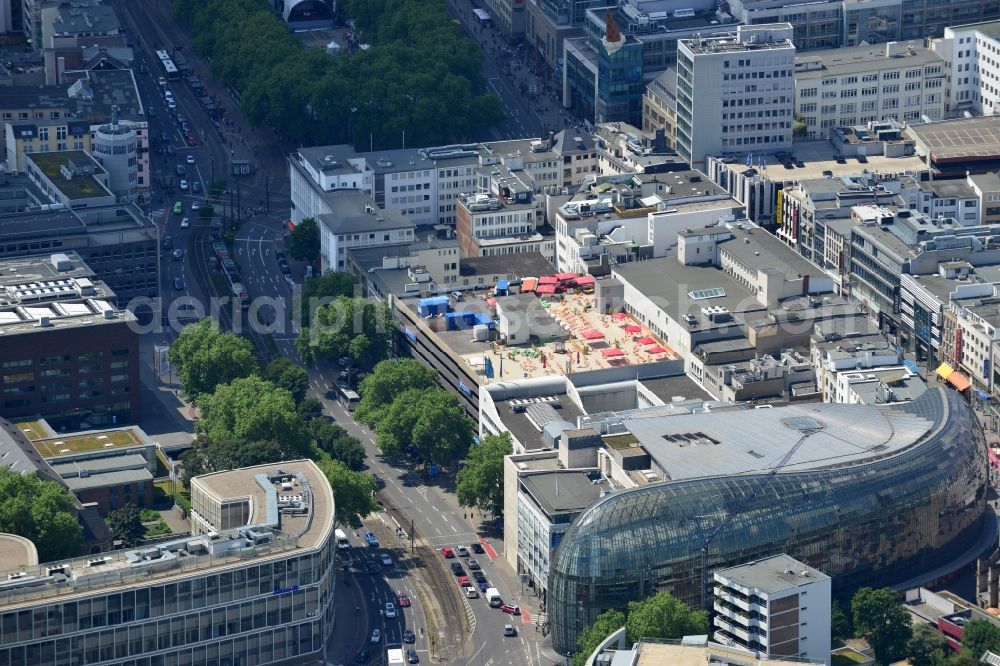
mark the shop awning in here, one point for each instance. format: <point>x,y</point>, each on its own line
<point>959,381</point>
<point>944,370</point>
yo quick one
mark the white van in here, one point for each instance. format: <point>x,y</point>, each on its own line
<point>342,541</point>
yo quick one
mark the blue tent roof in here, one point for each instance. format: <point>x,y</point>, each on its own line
<point>433,300</point>
<point>911,366</point>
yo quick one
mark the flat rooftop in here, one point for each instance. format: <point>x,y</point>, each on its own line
<point>770,575</point>
<point>857,59</point>
<point>526,431</point>
<point>758,248</point>
<point>560,492</point>
<point>819,156</point>
<point>960,138</point>
<point>16,551</point>
<point>117,223</point>
<point>100,440</point>
<point>187,556</point>
<point>77,187</point>
<point>658,654</point>
<point>752,441</point>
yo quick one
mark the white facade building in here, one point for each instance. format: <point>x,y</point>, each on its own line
<point>860,84</point>
<point>973,55</point>
<point>741,83</point>
<point>778,607</point>
<point>355,221</point>
<point>115,147</point>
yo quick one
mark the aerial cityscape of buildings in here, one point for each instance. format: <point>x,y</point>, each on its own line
<point>708,325</point>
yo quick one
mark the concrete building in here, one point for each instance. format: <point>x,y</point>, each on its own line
<point>688,651</point>
<point>118,242</point>
<point>856,85</point>
<point>23,138</point>
<point>65,28</point>
<point>354,220</point>
<point>970,51</point>
<point>116,148</point>
<point>509,17</point>
<point>987,188</point>
<point>69,353</point>
<point>741,84</point>
<point>957,148</point>
<point>72,178</point>
<point>263,590</point>
<point>785,623</point>
<point>659,106</point>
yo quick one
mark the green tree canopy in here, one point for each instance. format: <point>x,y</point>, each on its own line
<point>606,624</point>
<point>323,290</point>
<point>926,647</point>
<point>309,409</point>
<point>353,492</point>
<point>215,455</point>
<point>125,525</point>
<point>284,373</point>
<point>205,357</point>
<point>480,482</point>
<point>252,409</point>
<point>882,621</point>
<point>355,327</point>
<point>980,636</point>
<point>840,623</point>
<point>431,421</point>
<point>663,616</point>
<point>336,442</point>
<point>386,381</point>
<point>42,512</point>
<point>303,243</point>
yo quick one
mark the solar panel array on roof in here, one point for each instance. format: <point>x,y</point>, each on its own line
<point>541,414</point>
<point>704,294</point>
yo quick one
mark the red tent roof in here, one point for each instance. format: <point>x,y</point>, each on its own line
<point>562,277</point>
<point>592,334</point>
<point>646,341</point>
<point>612,352</point>
<point>545,289</point>
<point>585,279</point>
<point>656,350</point>
<point>547,279</point>
<point>633,328</point>
<point>620,316</point>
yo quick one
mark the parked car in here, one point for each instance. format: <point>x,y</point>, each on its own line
<point>462,551</point>
<point>457,569</point>
<point>479,576</point>
<point>371,540</point>
<point>473,564</point>
<point>511,608</point>
<point>447,552</point>
<point>471,592</point>
<point>463,581</point>
<point>477,548</point>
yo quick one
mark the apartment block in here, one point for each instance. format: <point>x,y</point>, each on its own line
<point>777,606</point>
<point>974,67</point>
<point>743,84</point>
<point>850,86</point>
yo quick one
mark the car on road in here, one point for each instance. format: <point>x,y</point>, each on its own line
<point>371,540</point>
<point>457,569</point>
<point>386,560</point>
<point>178,254</point>
<point>190,159</point>
<point>178,207</point>
<point>447,552</point>
<point>283,267</point>
<point>185,223</point>
<point>184,184</point>
<point>164,137</point>
<point>484,585</point>
<point>178,284</point>
<point>457,295</point>
<point>195,206</point>
<point>181,170</point>
<point>162,81</point>
<point>411,657</point>
<point>477,548</point>
<point>171,151</point>
<point>509,630</point>
<point>463,581</point>
<point>191,139</point>
<point>462,551</point>
<point>373,567</point>
<point>409,636</point>
<point>376,636</point>
<point>291,281</point>
<point>471,592</point>
<point>511,608</point>
<point>196,186</point>
<point>478,575</point>
<point>473,564</point>
<point>171,104</point>
<point>402,600</point>
<point>167,242</point>
<point>361,657</point>
<point>390,609</point>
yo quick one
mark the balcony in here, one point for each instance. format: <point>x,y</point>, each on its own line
<point>733,629</point>
<point>741,601</point>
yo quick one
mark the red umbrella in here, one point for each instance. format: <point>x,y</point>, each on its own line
<point>612,352</point>
<point>646,341</point>
<point>632,328</point>
<point>592,334</point>
<point>620,316</point>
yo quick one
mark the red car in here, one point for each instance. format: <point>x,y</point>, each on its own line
<point>463,581</point>
<point>447,552</point>
<point>511,608</point>
<point>192,140</point>
<point>403,600</point>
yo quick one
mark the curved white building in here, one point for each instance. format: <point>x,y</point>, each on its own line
<point>115,146</point>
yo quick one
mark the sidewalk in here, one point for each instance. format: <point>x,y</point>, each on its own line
<point>348,635</point>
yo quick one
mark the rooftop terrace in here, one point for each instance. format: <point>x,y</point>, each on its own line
<point>96,441</point>
<point>78,187</point>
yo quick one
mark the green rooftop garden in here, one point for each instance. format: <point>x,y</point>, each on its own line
<point>79,187</point>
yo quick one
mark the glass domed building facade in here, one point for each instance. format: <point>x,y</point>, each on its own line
<point>875,495</point>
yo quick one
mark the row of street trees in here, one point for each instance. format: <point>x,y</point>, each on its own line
<point>417,69</point>
<point>252,416</point>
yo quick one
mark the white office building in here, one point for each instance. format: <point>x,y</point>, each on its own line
<point>973,55</point>
<point>776,607</point>
<point>735,92</point>
<point>852,86</point>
